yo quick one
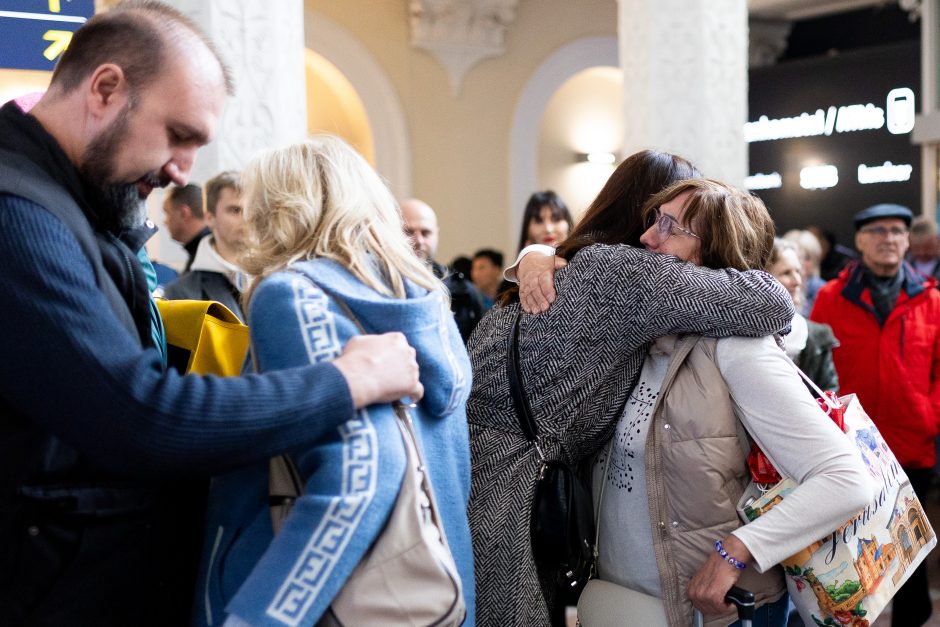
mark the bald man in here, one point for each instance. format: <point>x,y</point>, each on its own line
<point>466,301</point>
<point>96,526</point>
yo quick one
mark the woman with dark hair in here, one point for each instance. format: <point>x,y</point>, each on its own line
<point>579,362</point>
<point>546,220</point>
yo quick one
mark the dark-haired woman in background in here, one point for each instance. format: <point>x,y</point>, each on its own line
<point>546,220</point>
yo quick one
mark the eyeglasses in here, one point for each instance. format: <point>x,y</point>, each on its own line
<point>880,231</point>
<point>667,225</point>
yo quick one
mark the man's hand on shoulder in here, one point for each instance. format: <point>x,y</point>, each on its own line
<point>379,369</point>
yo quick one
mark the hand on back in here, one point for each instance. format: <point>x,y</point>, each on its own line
<point>380,369</point>
<point>537,281</point>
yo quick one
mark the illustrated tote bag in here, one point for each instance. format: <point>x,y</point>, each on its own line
<point>849,576</point>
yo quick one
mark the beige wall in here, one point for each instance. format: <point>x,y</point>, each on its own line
<point>460,145</point>
<point>15,83</point>
<point>584,115</point>
<point>333,106</point>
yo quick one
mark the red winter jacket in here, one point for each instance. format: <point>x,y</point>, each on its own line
<point>894,369</point>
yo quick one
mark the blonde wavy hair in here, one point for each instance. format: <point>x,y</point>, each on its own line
<point>320,198</point>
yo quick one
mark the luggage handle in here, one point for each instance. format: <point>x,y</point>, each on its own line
<point>743,600</point>
<point>740,598</point>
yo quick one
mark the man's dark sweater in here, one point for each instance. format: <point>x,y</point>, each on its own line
<point>93,428</point>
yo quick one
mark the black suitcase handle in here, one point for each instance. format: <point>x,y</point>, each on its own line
<point>744,600</point>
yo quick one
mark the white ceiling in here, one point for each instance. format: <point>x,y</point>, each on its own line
<point>798,9</point>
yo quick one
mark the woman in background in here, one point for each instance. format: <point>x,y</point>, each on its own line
<point>325,231</point>
<point>810,253</point>
<point>546,220</point>
<point>809,344</point>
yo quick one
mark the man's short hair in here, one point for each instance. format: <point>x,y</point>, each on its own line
<point>230,179</point>
<point>923,227</point>
<point>493,255</point>
<point>134,35</point>
<point>189,195</point>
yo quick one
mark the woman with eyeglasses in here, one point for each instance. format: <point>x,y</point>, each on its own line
<point>667,485</point>
<point>579,361</point>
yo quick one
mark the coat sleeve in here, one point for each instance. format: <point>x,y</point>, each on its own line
<point>84,379</point>
<point>652,295</point>
<point>802,443</point>
<point>351,478</point>
<point>935,378</point>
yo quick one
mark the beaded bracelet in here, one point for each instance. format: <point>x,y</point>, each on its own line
<point>724,555</point>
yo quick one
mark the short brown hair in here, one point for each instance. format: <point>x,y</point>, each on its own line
<point>923,227</point>
<point>133,35</point>
<point>230,179</point>
<point>189,195</point>
<point>735,227</point>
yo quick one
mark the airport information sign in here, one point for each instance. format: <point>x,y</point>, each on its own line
<point>35,33</point>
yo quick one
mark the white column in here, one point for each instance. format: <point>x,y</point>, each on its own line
<point>685,81</point>
<point>263,43</point>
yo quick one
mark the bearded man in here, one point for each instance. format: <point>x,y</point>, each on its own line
<point>96,527</point>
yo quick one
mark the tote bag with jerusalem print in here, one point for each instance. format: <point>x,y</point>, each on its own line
<point>846,578</point>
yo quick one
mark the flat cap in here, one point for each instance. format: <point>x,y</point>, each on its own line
<point>881,211</point>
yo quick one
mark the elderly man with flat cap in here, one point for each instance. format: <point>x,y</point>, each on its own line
<point>887,319</point>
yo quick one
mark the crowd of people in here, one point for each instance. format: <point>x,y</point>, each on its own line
<point>648,334</point>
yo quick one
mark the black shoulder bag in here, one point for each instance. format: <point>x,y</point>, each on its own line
<point>562,518</point>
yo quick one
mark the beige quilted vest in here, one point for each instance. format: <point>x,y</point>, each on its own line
<point>696,470</point>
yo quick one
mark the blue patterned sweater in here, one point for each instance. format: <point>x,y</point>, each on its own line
<point>352,476</point>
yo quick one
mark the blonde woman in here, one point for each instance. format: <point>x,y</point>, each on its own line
<point>325,230</point>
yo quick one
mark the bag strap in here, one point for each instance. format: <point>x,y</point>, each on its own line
<point>744,438</point>
<point>405,420</point>
<point>517,394</point>
<point>597,511</point>
<point>817,392</point>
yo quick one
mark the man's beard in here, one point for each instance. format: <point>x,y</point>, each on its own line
<point>119,205</point>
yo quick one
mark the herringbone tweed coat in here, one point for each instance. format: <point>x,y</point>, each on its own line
<point>579,361</point>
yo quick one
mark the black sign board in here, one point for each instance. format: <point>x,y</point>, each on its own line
<point>831,135</point>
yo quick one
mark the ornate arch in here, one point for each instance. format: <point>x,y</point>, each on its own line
<point>381,101</point>
<point>564,63</point>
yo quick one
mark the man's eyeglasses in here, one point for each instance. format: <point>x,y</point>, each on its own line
<point>667,225</point>
<point>881,231</point>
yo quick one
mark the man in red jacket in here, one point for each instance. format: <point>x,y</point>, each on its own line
<point>887,320</point>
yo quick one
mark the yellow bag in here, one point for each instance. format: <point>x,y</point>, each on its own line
<point>203,337</point>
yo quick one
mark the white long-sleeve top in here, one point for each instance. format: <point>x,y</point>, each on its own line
<point>781,416</point>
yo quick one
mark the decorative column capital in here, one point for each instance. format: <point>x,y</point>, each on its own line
<point>460,33</point>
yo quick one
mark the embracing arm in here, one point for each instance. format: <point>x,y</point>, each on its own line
<point>84,379</point>
<point>802,443</point>
<point>651,295</point>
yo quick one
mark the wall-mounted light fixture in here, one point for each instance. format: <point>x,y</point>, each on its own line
<point>603,158</point>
